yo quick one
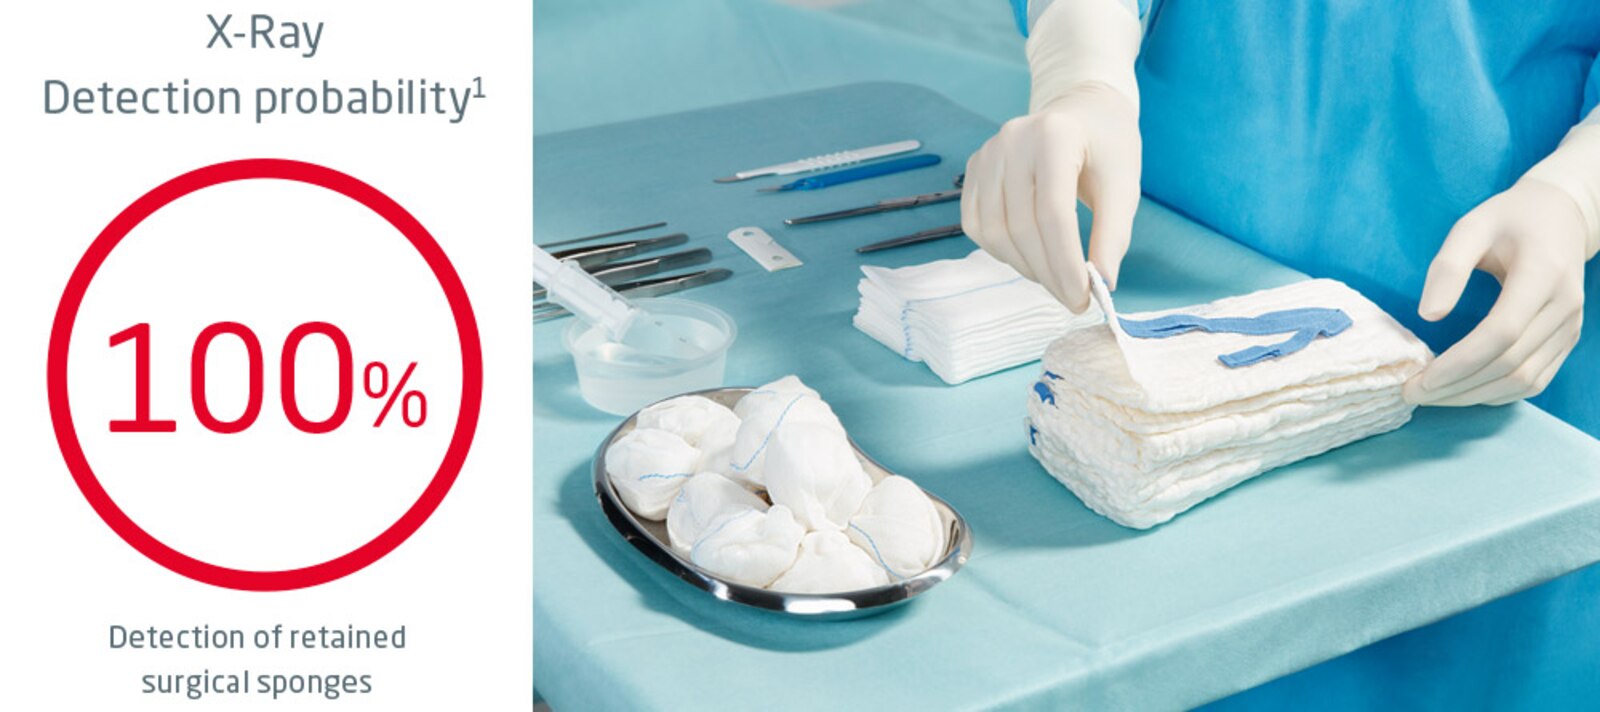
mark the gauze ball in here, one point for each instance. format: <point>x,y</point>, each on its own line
<point>647,467</point>
<point>751,548</point>
<point>898,525</point>
<point>704,502</point>
<point>756,432</point>
<point>692,418</point>
<point>829,563</point>
<point>812,470</point>
<point>779,391</point>
<point>716,446</point>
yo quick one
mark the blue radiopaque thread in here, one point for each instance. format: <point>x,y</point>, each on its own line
<point>672,476</point>
<point>694,551</point>
<point>746,466</point>
<point>905,310</point>
<point>877,554</point>
<point>1306,324</point>
<point>1033,435</point>
<point>1043,391</point>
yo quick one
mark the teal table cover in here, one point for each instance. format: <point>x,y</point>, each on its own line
<point>1058,606</point>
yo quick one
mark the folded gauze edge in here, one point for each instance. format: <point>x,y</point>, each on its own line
<point>1141,429</point>
<point>965,317</point>
<point>771,493</point>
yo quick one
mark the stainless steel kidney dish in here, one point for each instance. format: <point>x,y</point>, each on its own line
<point>650,538</point>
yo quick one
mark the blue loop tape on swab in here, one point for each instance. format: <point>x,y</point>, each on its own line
<point>1304,324</point>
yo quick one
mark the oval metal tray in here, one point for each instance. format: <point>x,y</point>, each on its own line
<point>650,538</point>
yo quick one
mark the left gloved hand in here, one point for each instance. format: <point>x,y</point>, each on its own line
<point>1533,238</point>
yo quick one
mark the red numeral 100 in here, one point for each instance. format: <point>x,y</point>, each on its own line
<point>141,422</point>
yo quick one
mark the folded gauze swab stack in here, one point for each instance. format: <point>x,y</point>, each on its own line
<point>1146,415</point>
<point>965,318</point>
<point>771,493</point>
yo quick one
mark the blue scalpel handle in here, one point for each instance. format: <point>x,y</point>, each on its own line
<point>870,170</point>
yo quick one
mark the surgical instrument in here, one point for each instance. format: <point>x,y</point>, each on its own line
<point>882,206</point>
<point>595,255</point>
<point>910,201</point>
<point>618,272</point>
<point>603,235</point>
<point>826,161</point>
<point>850,175</point>
<point>653,287</point>
<point>937,233</point>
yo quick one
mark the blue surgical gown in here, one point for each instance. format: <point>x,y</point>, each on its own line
<point>1345,137</point>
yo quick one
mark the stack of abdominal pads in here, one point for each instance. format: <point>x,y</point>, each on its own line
<point>1143,416</point>
<point>965,318</point>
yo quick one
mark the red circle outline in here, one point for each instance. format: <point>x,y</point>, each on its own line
<point>286,579</point>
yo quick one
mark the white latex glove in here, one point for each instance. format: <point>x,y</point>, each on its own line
<point>1534,238</point>
<point>1080,139</point>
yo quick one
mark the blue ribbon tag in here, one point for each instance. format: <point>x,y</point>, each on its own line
<point>1304,325</point>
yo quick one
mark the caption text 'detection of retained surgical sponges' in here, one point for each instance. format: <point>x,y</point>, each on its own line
<point>193,678</point>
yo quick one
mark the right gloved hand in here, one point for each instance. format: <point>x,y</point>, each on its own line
<point>1019,201</point>
<point>1079,140</point>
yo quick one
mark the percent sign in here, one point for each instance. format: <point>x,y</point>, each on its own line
<point>142,422</point>
<point>399,393</point>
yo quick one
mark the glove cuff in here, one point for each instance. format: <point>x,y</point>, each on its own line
<point>1574,168</point>
<point>1081,41</point>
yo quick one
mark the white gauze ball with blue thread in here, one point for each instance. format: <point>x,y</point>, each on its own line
<point>716,447</point>
<point>813,470</point>
<point>704,423</point>
<point>829,563</point>
<point>898,525</point>
<point>779,391</point>
<point>705,501</point>
<point>648,467</point>
<point>764,411</point>
<point>752,548</point>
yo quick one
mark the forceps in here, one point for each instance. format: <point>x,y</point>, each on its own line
<point>883,206</point>
<point>594,255</point>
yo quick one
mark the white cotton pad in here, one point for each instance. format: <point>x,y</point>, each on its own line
<point>693,418</point>
<point>963,317</point>
<point>778,391</point>
<point>748,458</point>
<point>1142,429</point>
<point>751,548</point>
<point>813,470</point>
<point>829,563</point>
<point>898,525</point>
<point>704,502</point>
<point>648,467</point>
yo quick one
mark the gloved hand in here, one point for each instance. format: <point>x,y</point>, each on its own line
<point>1534,238</point>
<point>1080,139</point>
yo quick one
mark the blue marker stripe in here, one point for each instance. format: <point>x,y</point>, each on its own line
<point>672,476</point>
<point>767,437</point>
<point>694,551</point>
<point>905,311</point>
<point>877,554</point>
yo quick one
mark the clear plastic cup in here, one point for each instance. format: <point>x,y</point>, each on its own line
<point>616,384</point>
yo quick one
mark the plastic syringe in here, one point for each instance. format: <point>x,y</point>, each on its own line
<point>583,295</point>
